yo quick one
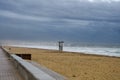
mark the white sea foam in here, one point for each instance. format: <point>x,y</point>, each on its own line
<point>109,51</point>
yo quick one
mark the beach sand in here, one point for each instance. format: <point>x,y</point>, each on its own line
<point>75,66</point>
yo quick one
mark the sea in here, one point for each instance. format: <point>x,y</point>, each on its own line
<point>98,50</point>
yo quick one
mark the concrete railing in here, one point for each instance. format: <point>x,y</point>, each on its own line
<point>27,70</point>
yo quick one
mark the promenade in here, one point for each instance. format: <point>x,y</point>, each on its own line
<point>7,69</point>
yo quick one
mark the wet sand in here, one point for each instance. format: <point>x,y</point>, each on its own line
<point>73,65</point>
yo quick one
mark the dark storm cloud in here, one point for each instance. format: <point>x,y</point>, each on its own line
<point>77,20</point>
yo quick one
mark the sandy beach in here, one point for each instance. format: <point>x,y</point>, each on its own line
<point>73,65</point>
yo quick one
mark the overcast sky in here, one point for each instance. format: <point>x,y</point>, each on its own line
<point>68,20</point>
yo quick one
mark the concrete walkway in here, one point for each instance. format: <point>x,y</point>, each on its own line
<point>7,69</point>
<point>55,75</point>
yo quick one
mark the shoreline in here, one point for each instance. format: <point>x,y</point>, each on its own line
<point>104,51</point>
<point>79,53</point>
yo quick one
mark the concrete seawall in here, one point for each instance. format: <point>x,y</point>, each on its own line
<point>29,71</point>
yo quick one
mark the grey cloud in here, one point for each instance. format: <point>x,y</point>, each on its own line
<point>69,9</point>
<point>21,16</point>
<point>62,19</point>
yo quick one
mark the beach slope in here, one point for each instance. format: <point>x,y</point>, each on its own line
<point>73,65</point>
